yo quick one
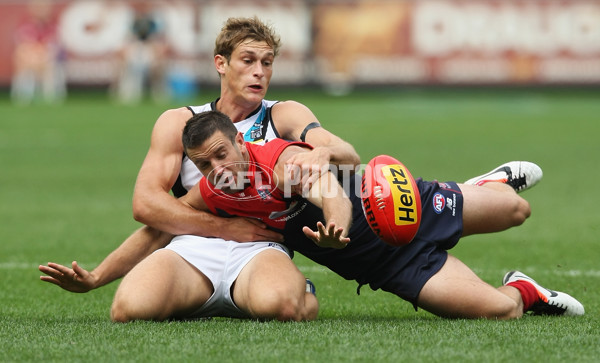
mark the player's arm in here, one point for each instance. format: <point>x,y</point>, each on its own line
<point>193,199</point>
<point>327,194</point>
<point>134,249</point>
<point>294,121</point>
<point>154,206</point>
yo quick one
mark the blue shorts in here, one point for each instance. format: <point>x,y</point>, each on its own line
<point>370,261</point>
<point>441,228</point>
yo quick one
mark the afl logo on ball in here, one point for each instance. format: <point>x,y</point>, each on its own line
<point>439,202</point>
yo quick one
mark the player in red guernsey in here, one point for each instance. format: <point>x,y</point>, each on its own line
<point>242,179</point>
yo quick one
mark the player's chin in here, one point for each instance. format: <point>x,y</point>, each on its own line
<point>256,92</point>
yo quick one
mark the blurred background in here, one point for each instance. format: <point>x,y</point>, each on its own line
<point>163,48</point>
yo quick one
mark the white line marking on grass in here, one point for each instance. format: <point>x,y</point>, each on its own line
<point>322,269</point>
<point>31,265</point>
<point>561,272</point>
<point>18,266</point>
<point>533,272</point>
<point>576,273</point>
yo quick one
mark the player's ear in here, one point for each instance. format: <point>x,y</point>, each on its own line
<point>239,140</point>
<point>220,63</point>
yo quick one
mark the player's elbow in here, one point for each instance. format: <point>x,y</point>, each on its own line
<point>141,211</point>
<point>355,159</point>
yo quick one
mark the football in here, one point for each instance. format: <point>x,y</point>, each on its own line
<point>391,200</point>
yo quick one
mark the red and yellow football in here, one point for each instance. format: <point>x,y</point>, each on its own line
<point>391,200</point>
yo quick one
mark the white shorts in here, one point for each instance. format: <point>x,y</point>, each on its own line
<point>221,261</point>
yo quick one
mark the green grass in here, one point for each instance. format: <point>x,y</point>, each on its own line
<point>67,175</point>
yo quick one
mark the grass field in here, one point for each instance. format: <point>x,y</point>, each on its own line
<point>66,180</point>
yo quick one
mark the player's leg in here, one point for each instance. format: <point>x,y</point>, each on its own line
<point>162,286</point>
<point>270,286</point>
<point>457,292</point>
<point>492,207</point>
<point>491,203</point>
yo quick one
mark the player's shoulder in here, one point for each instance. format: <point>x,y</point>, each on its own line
<point>180,112</point>
<point>290,118</point>
<point>175,116</point>
<point>289,106</point>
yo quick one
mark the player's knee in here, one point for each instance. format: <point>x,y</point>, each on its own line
<point>289,310</point>
<point>521,211</point>
<point>119,312</point>
<point>508,310</point>
<point>282,305</point>
<point>286,308</point>
<point>124,310</point>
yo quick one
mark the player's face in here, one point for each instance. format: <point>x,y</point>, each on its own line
<point>222,162</point>
<point>248,72</point>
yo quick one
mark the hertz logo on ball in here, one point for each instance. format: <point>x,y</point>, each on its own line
<point>391,201</point>
<point>403,194</point>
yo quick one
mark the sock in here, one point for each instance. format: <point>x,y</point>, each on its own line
<point>529,293</point>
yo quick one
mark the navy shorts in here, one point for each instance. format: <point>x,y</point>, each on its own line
<point>440,229</point>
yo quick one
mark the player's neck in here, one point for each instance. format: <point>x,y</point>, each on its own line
<point>237,111</point>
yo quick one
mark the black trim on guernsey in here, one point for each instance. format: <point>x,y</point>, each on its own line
<point>269,119</point>
<point>265,124</point>
<point>178,189</point>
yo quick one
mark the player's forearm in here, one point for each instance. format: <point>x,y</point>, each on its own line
<point>170,215</point>
<point>329,195</point>
<point>342,154</point>
<point>133,250</point>
<point>339,210</point>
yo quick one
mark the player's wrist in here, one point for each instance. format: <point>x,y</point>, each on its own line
<point>217,227</point>
<point>325,153</point>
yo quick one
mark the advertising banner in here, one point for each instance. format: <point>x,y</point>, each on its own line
<point>459,41</point>
<point>334,42</point>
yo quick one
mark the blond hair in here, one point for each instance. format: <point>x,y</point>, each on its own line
<point>236,30</point>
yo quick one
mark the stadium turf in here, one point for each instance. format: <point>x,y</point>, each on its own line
<point>68,174</point>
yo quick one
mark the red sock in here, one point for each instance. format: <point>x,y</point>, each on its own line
<point>529,293</point>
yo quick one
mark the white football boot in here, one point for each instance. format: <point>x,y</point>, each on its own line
<point>551,302</point>
<point>521,175</point>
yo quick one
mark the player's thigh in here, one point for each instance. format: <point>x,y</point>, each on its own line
<point>164,284</point>
<point>269,280</point>
<point>457,292</point>
<point>491,210</point>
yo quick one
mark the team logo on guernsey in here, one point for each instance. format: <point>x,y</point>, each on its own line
<point>439,203</point>
<point>264,192</point>
<point>255,133</point>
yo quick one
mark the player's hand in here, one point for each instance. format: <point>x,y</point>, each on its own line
<point>249,230</point>
<point>331,236</point>
<point>306,168</point>
<point>74,279</point>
